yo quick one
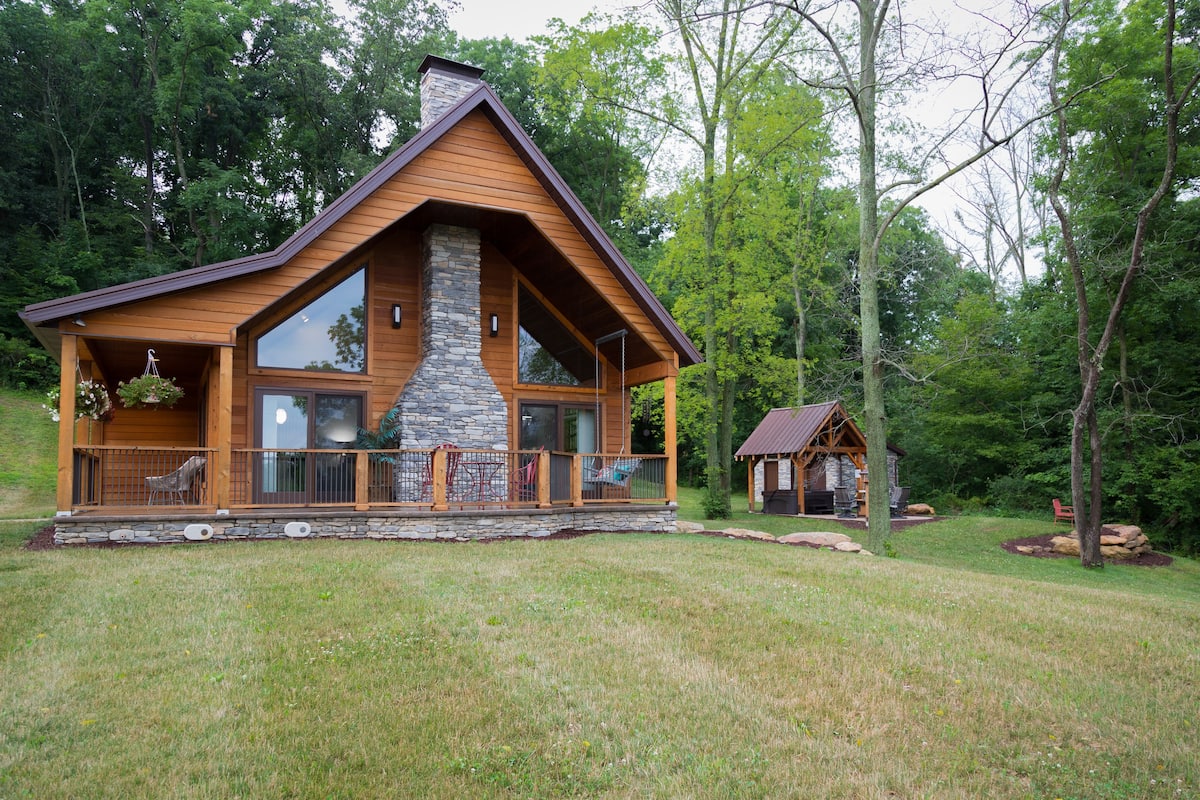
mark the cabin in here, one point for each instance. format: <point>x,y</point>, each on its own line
<point>801,457</point>
<point>445,351</point>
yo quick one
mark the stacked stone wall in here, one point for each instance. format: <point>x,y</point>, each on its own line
<point>451,397</point>
<point>459,526</point>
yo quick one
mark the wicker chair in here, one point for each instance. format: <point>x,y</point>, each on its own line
<point>177,484</point>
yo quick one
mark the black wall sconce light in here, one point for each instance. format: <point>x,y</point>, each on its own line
<point>397,318</point>
<point>494,326</point>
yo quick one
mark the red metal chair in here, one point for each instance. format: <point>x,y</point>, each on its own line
<point>1063,513</point>
<point>523,482</point>
<point>452,459</point>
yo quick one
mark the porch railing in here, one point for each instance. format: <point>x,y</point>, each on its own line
<point>436,479</point>
<point>120,477</point>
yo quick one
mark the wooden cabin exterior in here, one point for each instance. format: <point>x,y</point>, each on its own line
<point>463,291</point>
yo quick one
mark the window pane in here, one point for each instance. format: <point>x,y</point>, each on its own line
<point>547,353</point>
<point>539,427</point>
<point>327,334</point>
<point>284,421</point>
<point>338,418</point>
<point>579,430</point>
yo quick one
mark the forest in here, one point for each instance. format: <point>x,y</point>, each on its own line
<point>762,165</point>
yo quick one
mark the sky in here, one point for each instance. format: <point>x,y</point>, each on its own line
<point>478,19</point>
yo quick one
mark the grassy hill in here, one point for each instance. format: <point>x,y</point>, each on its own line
<point>28,453</point>
<point>613,666</point>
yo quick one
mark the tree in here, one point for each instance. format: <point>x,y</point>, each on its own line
<point>856,57</point>
<point>1122,38</point>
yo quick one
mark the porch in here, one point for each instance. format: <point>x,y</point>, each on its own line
<point>176,494</point>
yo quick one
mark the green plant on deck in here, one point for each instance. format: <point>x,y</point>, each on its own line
<point>386,437</point>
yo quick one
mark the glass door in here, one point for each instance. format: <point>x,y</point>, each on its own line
<point>558,427</point>
<point>290,424</point>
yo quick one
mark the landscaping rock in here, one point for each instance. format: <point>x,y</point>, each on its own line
<point>1118,542</point>
<point>687,526</point>
<point>743,533</point>
<point>819,538</point>
<point>920,509</point>
<point>848,547</point>
<point>1067,545</point>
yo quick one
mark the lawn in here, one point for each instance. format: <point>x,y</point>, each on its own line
<point>615,665</point>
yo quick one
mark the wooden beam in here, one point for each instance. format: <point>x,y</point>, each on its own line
<point>670,438</point>
<point>224,425</point>
<point>66,424</point>
<point>651,372</point>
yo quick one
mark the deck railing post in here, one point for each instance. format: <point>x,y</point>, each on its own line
<point>438,467</point>
<point>543,479</point>
<point>577,480</point>
<point>362,478</point>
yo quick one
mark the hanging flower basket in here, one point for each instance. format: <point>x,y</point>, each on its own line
<point>91,402</point>
<point>150,389</point>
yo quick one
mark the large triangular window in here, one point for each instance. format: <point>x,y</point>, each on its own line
<point>328,334</point>
<point>548,353</point>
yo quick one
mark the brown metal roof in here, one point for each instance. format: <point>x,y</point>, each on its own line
<point>38,315</point>
<point>788,430</point>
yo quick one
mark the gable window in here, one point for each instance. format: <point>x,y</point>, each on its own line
<point>328,334</point>
<point>548,353</point>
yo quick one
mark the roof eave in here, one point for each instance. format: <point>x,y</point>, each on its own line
<point>47,312</point>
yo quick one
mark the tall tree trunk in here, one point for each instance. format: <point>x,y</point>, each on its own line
<point>874,414</point>
<point>1087,496</point>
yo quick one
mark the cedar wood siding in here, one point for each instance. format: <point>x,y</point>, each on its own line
<point>470,164</point>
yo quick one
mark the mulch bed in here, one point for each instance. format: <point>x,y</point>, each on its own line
<point>1042,543</point>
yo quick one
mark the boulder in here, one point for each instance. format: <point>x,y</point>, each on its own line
<point>920,509</point>
<point>1067,545</point>
<point>743,533</point>
<point>819,538</point>
<point>848,547</point>
<point>687,526</point>
<point>1116,551</point>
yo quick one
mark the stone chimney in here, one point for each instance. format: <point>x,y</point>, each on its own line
<point>451,397</point>
<point>444,83</point>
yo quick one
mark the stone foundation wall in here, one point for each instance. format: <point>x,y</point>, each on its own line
<point>460,525</point>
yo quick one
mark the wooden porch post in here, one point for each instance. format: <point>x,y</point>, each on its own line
<point>750,484</point>
<point>670,439</point>
<point>224,426</point>
<point>66,424</point>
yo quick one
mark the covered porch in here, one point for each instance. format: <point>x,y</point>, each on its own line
<point>135,494</point>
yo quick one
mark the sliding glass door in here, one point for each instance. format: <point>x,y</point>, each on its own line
<point>291,422</point>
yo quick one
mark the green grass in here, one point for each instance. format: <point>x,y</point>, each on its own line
<point>28,456</point>
<point>616,666</point>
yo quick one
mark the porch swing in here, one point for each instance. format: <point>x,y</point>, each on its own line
<point>618,471</point>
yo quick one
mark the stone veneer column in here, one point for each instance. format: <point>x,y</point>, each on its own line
<point>444,83</point>
<point>451,397</point>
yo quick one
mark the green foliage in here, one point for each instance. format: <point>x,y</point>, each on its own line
<point>716,505</point>
<point>149,391</point>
